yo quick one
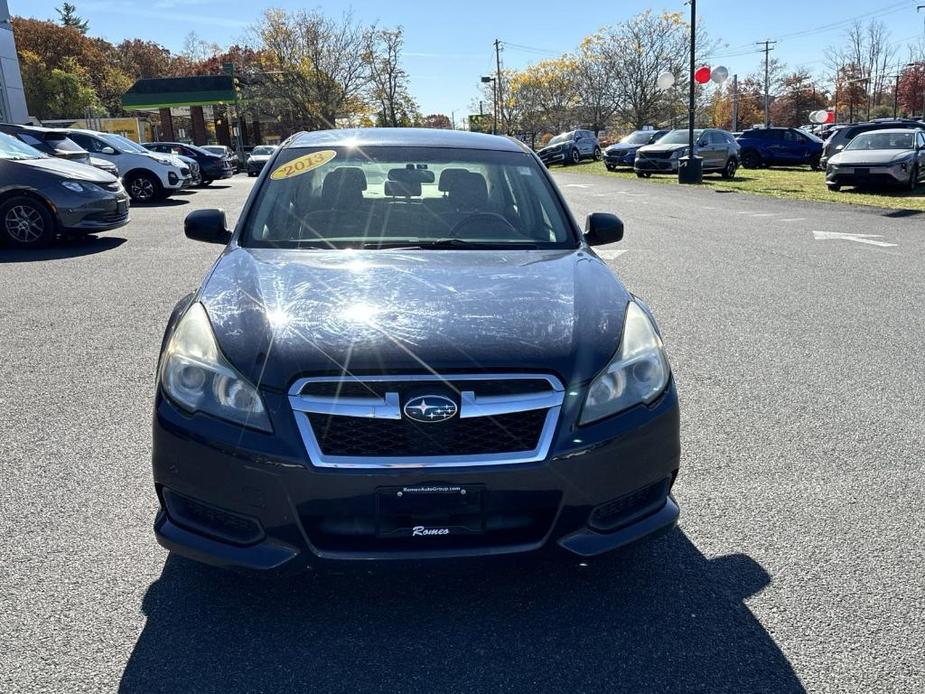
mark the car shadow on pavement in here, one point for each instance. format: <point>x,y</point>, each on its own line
<point>172,201</point>
<point>658,617</point>
<point>63,248</point>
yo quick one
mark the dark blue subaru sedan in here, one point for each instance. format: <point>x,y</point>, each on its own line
<point>407,349</point>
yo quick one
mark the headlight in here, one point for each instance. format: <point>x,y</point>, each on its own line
<point>74,186</point>
<point>198,378</point>
<point>637,374</point>
<point>163,160</point>
<point>678,153</point>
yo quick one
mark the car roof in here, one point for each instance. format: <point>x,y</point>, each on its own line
<point>403,137</point>
<point>891,131</point>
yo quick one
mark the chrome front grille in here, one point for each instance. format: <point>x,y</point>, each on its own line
<point>358,422</point>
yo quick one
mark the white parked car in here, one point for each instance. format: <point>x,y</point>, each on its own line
<point>147,176</point>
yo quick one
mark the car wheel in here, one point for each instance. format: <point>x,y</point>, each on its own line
<point>26,223</point>
<point>834,187</point>
<point>913,178</point>
<point>643,174</point>
<point>751,159</point>
<point>143,187</point>
<point>575,156</point>
<point>815,164</point>
<point>597,154</point>
<point>610,167</point>
<point>729,171</point>
<point>205,182</point>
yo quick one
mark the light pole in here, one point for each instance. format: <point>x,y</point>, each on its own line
<point>690,168</point>
<point>494,102</point>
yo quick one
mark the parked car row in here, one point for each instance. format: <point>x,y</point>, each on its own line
<point>71,181</point>
<point>43,196</point>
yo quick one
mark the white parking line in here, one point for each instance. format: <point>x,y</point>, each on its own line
<point>609,255</point>
<point>857,238</point>
<point>794,219</point>
<point>766,214</point>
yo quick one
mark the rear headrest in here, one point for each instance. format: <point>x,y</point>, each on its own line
<point>468,191</point>
<point>344,183</point>
<point>403,189</point>
<point>449,177</point>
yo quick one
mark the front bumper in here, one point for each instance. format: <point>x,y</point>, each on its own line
<point>867,175</point>
<point>620,158</point>
<point>255,167</point>
<point>247,500</point>
<point>83,215</point>
<point>552,157</point>
<point>645,165</point>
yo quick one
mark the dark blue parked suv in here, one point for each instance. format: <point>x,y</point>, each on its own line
<point>787,146</point>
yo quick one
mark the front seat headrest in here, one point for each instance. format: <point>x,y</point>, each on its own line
<point>344,185</point>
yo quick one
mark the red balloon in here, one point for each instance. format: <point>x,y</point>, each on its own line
<point>830,117</point>
<point>702,75</point>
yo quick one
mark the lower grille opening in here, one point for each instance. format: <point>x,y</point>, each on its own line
<point>210,520</point>
<point>618,512</point>
<point>358,436</point>
<point>357,525</point>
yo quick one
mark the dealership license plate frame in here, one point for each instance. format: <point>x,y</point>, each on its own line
<point>457,508</point>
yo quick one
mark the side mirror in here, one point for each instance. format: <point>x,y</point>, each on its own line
<point>602,228</point>
<point>107,150</point>
<point>207,225</point>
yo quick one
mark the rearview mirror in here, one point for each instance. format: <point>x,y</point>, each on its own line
<point>602,228</point>
<point>207,225</point>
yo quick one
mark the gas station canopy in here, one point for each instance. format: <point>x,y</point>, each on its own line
<point>164,92</point>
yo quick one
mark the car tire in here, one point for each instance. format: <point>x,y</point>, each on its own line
<point>26,223</point>
<point>574,156</point>
<point>144,187</point>
<point>751,159</point>
<point>729,171</point>
<point>913,178</point>
<point>815,163</point>
<point>205,182</point>
<point>643,174</point>
<point>609,167</point>
<point>597,154</point>
<point>834,187</point>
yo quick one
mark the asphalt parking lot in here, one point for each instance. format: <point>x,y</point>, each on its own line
<point>795,332</point>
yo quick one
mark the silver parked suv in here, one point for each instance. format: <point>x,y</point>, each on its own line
<point>718,148</point>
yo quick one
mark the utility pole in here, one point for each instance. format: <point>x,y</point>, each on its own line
<point>767,79</point>
<point>735,103</point>
<point>498,78</point>
<point>896,96</point>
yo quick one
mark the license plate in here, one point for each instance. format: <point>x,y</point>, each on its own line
<point>430,511</point>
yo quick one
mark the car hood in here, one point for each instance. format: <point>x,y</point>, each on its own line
<point>70,170</point>
<point>279,315</point>
<point>870,156</point>
<point>622,147</point>
<point>661,148</point>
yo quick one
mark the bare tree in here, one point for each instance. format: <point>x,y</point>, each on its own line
<point>388,80</point>
<point>598,76</point>
<point>316,63</point>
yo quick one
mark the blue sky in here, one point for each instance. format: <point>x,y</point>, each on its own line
<point>448,45</point>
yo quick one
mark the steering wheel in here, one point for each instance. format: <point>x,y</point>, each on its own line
<point>481,216</point>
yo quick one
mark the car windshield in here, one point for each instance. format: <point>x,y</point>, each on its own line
<point>264,149</point>
<point>640,137</point>
<point>373,197</point>
<point>679,137</point>
<point>558,139</point>
<point>877,140</point>
<point>215,149</point>
<point>11,148</point>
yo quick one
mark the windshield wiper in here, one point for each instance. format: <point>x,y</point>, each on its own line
<point>452,243</point>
